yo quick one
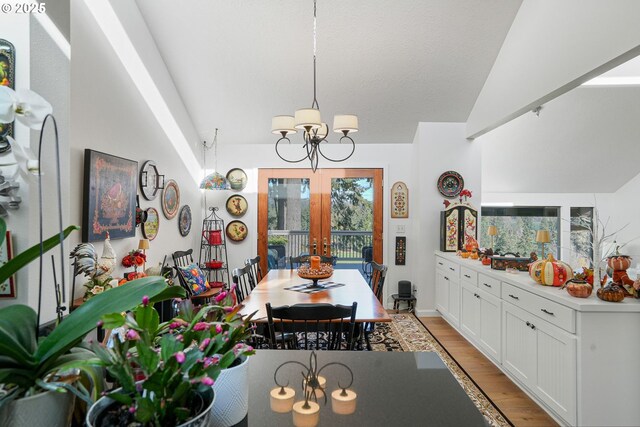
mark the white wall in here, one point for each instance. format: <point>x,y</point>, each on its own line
<point>110,115</point>
<point>626,206</point>
<point>440,147</point>
<point>552,47</point>
<point>395,159</point>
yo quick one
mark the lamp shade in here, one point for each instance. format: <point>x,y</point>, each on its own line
<point>281,124</point>
<point>542,236</point>
<point>143,244</point>
<point>214,181</point>
<point>492,230</point>
<point>308,117</point>
<point>345,122</point>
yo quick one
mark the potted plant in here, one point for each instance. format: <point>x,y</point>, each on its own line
<point>165,372</point>
<point>35,374</point>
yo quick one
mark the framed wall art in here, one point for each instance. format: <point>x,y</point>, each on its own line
<point>170,199</point>
<point>237,205</point>
<point>151,226</point>
<point>236,231</point>
<point>184,220</point>
<point>237,179</point>
<point>110,188</point>
<point>7,78</point>
<point>8,288</point>
<point>151,181</point>
<point>399,200</point>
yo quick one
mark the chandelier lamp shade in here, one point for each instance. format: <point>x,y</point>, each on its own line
<point>309,122</point>
<point>214,180</point>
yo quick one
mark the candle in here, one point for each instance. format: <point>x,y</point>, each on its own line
<point>315,262</point>
<point>282,399</point>
<point>306,414</point>
<point>343,401</point>
<point>322,382</point>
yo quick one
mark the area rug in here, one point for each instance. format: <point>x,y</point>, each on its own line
<point>407,333</point>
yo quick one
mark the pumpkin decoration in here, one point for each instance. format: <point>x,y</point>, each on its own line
<point>474,254</point>
<point>465,254</point>
<point>578,288</point>
<point>611,293</point>
<point>550,272</point>
<point>619,262</point>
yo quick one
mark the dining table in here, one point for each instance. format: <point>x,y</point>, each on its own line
<point>344,287</point>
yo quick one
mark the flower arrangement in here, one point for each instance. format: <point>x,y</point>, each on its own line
<point>134,259</point>
<point>465,193</point>
<point>128,277</point>
<point>163,370</point>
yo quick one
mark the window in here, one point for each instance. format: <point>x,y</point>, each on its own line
<point>517,227</point>
<point>581,252</point>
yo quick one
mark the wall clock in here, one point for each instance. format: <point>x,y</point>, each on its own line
<point>170,199</point>
<point>151,182</point>
<point>450,184</point>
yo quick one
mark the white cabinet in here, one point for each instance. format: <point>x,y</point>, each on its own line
<point>480,319</point>
<point>543,358</point>
<point>454,300</point>
<point>448,296</point>
<point>442,293</point>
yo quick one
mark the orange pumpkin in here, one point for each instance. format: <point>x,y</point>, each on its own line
<point>550,272</point>
<point>619,262</point>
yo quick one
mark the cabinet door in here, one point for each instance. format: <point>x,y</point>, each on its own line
<point>470,312</point>
<point>490,324</point>
<point>442,293</point>
<point>556,369</point>
<point>454,301</point>
<point>519,345</point>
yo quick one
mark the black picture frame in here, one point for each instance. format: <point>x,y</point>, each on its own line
<point>109,191</point>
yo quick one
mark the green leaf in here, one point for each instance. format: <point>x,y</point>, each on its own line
<point>181,413</point>
<point>112,320</point>
<point>170,292</point>
<point>17,334</point>
<point>147,318</point>
<point>145,410</point>
<point>180,393</point>
<point>85,317</point>
<point>227,359</point>
<point>169,346</point>
<point>3,230</point>
<point>24,258</point>
<point>123,398</point>
<point>147,357</point>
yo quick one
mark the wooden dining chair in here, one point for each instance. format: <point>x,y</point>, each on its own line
<point>296,261</point>
<point>315,326</point>
<point>243,280</point>
<point>256,270</point>
<point>185,259</point>
<point>376,282</point>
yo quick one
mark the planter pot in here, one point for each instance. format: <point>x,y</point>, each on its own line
<point>202,420</point>
<point>48,409</point>
<point>232,395</point>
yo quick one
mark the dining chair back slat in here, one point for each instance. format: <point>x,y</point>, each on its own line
<point>256,270</point>
<point>243,281</point>
<point>314,326</point>
<point>377,279</point>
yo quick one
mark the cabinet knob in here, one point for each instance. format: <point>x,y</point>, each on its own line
<point>528,324</point>
<point>446,278</point>
<point>547,312</point>
<point>532,326</point>
<point>476,295</point>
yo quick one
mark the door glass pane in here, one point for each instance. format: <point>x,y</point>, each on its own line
<point>352,223</point>
<point>288,220</point>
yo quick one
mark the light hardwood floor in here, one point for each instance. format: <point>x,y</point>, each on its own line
<point>513,402</point>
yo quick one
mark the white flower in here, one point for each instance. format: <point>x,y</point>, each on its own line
<point>26,106</point>
<point>97,290</point>
<point>28,165</point>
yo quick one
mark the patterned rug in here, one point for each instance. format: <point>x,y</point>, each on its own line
<point>407,333</point>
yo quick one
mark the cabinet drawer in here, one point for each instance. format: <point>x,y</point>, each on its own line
<point>552,312</point>
<point>489,284</point>
<point>451,268</point>
<point>468,275</point>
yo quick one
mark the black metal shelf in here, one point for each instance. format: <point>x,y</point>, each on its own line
<point>213,246</point>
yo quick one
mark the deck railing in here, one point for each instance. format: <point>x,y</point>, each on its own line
<point>346,245</point>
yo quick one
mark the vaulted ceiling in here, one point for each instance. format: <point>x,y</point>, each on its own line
<point>238,63</point>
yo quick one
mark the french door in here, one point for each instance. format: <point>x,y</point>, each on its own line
<point>332,212</point>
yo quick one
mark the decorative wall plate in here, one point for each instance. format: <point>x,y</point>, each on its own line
<point>236,231</point>
<point>170,199</point>
<point>184,220</point>
<point>152,224</point>
<point>151,182</point>
<point>237,205</point>
<point>450,184</point>
<point>237,179</point>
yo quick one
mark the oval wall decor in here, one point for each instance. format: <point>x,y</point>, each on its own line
<point>152,224</point>
<point>170,199</point>
<point>450,184</point>
<point>237,205</point>
<point>184,220</point>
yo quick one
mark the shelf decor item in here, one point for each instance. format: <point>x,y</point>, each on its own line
<point>237,231</point>
<point>551,272</point>
<point>492,231</point>
<point>618,265</point>
<point>511,260</point>
<point>151,226</point>
<point>110,188</point>
<point>7,78</point>
<point>611,293</point>
<point>578,288</point>
<point>458,227</point>
<point>237,205</point>
<point>184,220</point>
<point>213,250</point>
<point>237,179</point>
<point>543,237</point>
<point>399,200</point>
<point>170,199</point>
<point>151,181</point>
<point>450,184</point>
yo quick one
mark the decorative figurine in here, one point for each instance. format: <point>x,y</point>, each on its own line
<point>98,270</point>
<point>617,266</point>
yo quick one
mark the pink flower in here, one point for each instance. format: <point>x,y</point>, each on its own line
<point>145,300</point>
<point>228,309</point>
<point>132,335</point>
<point>132,409</point>
<point>207,381</point>
<point>174,325</point>
<point>179,338</point>
<point>218,329</point>
<point>220,296</point>
<point>180,357</point>
<point>201,326</point>
<point>99,323</point>
<point>205,343</point>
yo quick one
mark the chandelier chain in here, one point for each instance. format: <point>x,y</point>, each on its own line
<point>314,104</point>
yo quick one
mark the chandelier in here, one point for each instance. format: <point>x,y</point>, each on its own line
<point>308,121</point>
